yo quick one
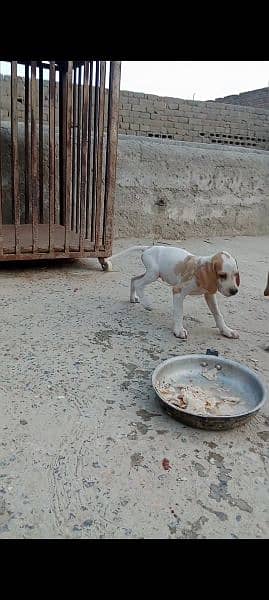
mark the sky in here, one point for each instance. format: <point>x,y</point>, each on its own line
<point>198,80</point>
<point>201,80</point>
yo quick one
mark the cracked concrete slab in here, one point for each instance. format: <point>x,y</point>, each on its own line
<point>83,438</point>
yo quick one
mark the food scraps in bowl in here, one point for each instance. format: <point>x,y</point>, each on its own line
<point>199,400</point>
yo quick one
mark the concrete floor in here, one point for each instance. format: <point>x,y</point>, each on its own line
<point>82,434</point>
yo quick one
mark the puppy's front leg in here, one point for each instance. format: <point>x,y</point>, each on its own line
<point>178,298</point>
<point>212,304</point>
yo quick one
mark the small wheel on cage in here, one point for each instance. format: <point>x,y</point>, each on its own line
<point>106,264</point>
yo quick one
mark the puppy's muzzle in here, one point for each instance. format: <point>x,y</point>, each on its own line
<point>233,291</point>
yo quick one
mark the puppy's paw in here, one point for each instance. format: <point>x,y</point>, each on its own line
<point>230,333</point>
<point>182,334</point>
<point>146,304</point>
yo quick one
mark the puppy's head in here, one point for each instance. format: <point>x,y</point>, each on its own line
<point>219,274</point>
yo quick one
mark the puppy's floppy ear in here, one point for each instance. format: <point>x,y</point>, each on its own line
<point>237,277</point>
<point>206,277</point>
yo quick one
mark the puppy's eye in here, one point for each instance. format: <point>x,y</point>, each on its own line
<point>223,276</point>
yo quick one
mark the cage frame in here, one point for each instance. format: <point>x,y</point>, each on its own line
<point>86,167</point>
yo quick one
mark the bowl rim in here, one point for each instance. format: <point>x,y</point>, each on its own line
<point>211,358</point>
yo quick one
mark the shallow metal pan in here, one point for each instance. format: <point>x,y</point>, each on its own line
<point>234,377</point>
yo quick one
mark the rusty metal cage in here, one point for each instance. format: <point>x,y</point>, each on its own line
<point>58,150</point>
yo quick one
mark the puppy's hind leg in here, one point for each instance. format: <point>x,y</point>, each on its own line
<point>133,295</point>
<point>138,285</point>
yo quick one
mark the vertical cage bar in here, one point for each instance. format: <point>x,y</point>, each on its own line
<point>1,205</point>
<point>41,145</point>
<point>61,144</point>
<point>1,189</point>
<point>68,155</point>
<point>14,156</point>
<point>78,127</point>
<point>27,147</point>
<point>89,178</point>
<point>95,146</point>
<point>51,154</point>
<point>85,114</point>
<point>34,161</point>
<point>98,233</point>
<point>74,138</point>
<point>111,158</point>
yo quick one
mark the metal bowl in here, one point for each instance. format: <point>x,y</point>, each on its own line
<point>234,378</point>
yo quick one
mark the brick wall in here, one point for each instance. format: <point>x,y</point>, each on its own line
<point>193,121</point>
<point>5,99</point>
<point>173,118</point>
<point>256,98</point>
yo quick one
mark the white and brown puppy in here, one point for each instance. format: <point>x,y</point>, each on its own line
<point>187,274</point>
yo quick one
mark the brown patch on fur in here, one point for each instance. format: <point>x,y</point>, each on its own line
<point>266,291</point>
<point>217,261</point>
<point>186,269</point>
<point>207,274</point>
<point>178,268</point>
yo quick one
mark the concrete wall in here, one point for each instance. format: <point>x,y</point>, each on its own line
<point>171,189</point>
<point>168,189</point>
<point>172,118</point>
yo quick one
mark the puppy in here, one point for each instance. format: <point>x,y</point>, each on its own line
<point>187,274</point>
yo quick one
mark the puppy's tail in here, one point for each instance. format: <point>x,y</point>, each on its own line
<point>266,291</point>
<point>128,250</point>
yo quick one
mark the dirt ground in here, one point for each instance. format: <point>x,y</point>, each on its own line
<point>82,433</point>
